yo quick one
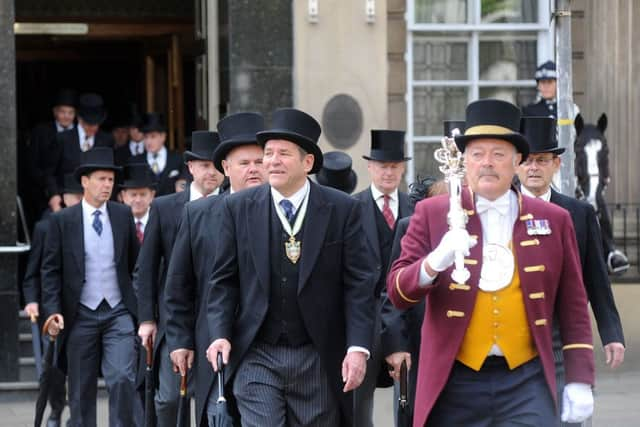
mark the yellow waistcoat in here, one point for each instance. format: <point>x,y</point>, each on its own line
<point>498,318</point>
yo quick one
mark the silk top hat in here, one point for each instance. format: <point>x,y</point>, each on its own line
<point>71,185</point>
<point>541,134</point>
<point>91,108</point>
<point>98,158</point>
<point>138,175</point>
<point>203,146</point>
<point>387,146</point>
<point>65,97</point>
<point>546,71</point>
<point>236,130</point>
<point>450,125</point>
<point>495,119</point>
<point>153,122</point>
<point>298,127</point>
<point>336,172</point>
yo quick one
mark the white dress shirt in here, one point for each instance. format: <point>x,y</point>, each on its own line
<point>161,159</point>
<point>60,128</point>
<point>136,147</point>
<point>194,194</point>
<point>82,135</point>
<point>378,196</point>
<point>144,219</point>
<point>546,196</point>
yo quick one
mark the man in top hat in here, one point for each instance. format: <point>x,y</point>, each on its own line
<point>239,156</point>
<point>383,205</point>
<point>42,141</point>
<point>336,172</point>
<point>31,288</point>
<point>486,354</point>
<point>290,306</point>
<point>137,191</point>
<point>89,254</point>
<point>155,256</point>
<point>164,163</point>
<point>535,175</point>
<point>66,154</point>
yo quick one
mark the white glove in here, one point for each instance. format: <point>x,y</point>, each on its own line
<point>454,240</point>
<point>577,402</point>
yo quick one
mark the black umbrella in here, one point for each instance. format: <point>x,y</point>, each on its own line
<point>36,344</point>
<point>222,417</point>
<point>149,387</point>
<point>49,375</point>
<point>184,409</point>
<point>404,409</point>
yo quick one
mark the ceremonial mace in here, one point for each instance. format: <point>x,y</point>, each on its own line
<point>452,167</point>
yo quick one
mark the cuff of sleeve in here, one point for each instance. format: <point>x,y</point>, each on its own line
<point>425,279</point>
<point>360,349</point>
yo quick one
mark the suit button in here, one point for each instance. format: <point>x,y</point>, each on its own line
<point>495,298</point>
<point>284,280</point>
<point>378,267</point>
<point>496,311</point>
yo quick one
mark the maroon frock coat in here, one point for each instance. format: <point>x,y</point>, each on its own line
<point>550,277</point>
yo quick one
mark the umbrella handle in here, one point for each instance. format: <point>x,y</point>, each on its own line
<point>45,328</point>
<point>403,399</point>
<point>183,385</point>
<point>149,348</point>
<point>33,317</point>
<point>220,376</point>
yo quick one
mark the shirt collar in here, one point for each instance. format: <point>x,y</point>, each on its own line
<point>378,194</point>
<point>194,194</point>
<point>61,128</point>
<point>89,210</point>
<point>546,196</point>
<point>144,219</point>
<point>504,200</point>
<point>161,154</point>
<point>296,198</point>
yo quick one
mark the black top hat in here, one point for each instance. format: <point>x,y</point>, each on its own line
<point>71,185</point>
<point>236,130</point>
<point>493,118</point>
<point>98,158</point>
<point>336,172</point>
<point>153,122</point>
<point>203,146</point>
<point>546,71</point>
<point>541,134</point>
<point>91,108</point>
<point>138,175</point>
<point>450,125</point>
<point>66,97</point>
<point>387,146</point>
<point>298,127</point>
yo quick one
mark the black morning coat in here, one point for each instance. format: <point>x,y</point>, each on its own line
<point>62,271</point>
<point>334,287</point>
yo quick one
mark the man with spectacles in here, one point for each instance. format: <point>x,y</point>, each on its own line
<point>536,174</point>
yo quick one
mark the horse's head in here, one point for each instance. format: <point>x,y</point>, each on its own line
<point>592,152</point>
<point>588,132</point>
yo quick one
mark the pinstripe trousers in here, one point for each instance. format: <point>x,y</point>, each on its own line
<point>279,385</point>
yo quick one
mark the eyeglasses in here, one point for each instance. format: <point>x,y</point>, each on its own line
<point>540,161</point>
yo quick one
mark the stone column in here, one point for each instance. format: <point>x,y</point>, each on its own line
<point>9,295</point>
<point>257,54</point>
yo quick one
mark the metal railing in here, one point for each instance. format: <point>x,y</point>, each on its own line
<point>625,222</point>
<point>19,247</point>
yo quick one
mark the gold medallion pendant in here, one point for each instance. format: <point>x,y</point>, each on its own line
<point>292,249</point>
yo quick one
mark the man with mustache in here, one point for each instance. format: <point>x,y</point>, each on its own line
<point>290,306</point>
<point>239,156</point>
<point>155,257</point>
<point>486,351</point>
<point>536,175</point>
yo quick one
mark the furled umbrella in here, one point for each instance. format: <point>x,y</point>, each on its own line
<point>36,343</point>
<point>404,408</point>
<point>222,417</point>
<point>149,387</point>
<point>184,409</point>
<point>49,375</point>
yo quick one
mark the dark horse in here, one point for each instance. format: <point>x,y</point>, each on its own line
<point>592,172</point>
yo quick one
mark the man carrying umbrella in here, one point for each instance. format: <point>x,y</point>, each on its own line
<point>292,293</point>
<point>240,157</point>
<point>155,256</point>
<point>88,259</point>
